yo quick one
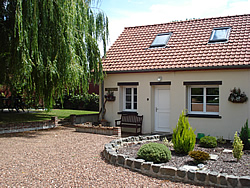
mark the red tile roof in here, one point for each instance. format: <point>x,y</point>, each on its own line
<point>188,47</point>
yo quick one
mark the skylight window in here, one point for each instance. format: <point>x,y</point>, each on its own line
<point>161,40</point>
<point>220,34</point>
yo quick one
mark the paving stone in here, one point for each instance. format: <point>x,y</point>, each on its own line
<point>245,181</point>
<point>187,167</point>
<point>138,163</point>
<point>121,159</point>
<point>113,159</point>
<point>191,174</point>
<point>168,170</point>
<point>233,180</point>
<point>146,165</point>
<point>201,175</point>
<point>212,176</point>
<point>129,162</point>
<point>222,179</point>
<point>181,172</point>
<point>156,167</point>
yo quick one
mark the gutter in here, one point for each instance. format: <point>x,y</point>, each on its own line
<point>182,69</point>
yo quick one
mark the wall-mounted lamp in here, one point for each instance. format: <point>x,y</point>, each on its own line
<point>159,78</point>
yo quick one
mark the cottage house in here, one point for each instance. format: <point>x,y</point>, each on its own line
<point>159,70</point>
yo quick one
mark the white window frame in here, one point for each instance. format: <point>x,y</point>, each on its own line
<point>132,99</point>
<point>204,112</point>
<point>211,40</point>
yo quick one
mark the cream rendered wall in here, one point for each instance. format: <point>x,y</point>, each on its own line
<point>233,115</point>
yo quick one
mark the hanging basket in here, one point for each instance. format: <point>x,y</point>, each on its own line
<point>236,96</point>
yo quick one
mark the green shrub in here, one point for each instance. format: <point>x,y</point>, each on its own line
<point>199,156</point>
<point>237,147</point>
<point>183,136</point>
<point>208,142</point>
<point>221,140</point>
<point>244,136</point>
<point>154,152</point>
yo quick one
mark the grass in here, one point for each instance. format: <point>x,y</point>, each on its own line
<point>38,115</point>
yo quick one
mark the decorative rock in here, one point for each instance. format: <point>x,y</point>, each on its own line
<point>138,163</point>
<point>168,170</point>
<point>213,157</point>
<point>233,180</point>
<point>191,175</point>
<point>201,176</point>
<point>156,167</point>
<point>212,176</point>
<point>227,151</point>
<point>245,181</point>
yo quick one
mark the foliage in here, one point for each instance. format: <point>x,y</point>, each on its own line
<point>208,142</point>
<point>199,156</point>
<point>244,136</point>
<point>80,102</point>
<point>236,96</point>
<point>168,143</point>
<point>221,140</point>
<point>154,152</point>
<point>50,45</point>
<point>183,136</point>
<point>237,147</point>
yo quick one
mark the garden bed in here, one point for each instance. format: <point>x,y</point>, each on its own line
<point>226,163</point>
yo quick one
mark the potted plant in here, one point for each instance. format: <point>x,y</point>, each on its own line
<point>110,96</point>
<point>236,96</point>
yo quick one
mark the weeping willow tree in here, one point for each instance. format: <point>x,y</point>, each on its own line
<point>54,47</point>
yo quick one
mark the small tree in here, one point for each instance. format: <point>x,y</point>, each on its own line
<point>237,147</point>
<point>244,136</point>
<point>183,136</point>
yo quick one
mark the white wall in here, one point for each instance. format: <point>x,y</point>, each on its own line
<point>233,115</point>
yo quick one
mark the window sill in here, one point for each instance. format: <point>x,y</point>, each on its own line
<point>203,116</point>
<point>127,112</point>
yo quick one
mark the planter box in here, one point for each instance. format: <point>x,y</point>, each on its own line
<point>99,130</point>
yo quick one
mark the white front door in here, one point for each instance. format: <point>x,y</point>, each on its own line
<point>162,110</point>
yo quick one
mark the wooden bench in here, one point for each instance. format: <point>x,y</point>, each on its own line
<point>130,121</point>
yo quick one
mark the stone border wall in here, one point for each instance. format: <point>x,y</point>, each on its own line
<point>28,126</point>
<point>100,130</point>
<point>201,177</point>
<point>78,119</point>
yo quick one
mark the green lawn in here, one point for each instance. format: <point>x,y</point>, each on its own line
<point>13,117</point>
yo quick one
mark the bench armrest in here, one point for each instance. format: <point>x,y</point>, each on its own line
<point>116,122</point>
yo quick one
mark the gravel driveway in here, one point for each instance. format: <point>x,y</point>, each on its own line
<point>64,158</point>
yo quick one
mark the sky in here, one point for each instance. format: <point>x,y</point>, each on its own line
<point>128,13</point>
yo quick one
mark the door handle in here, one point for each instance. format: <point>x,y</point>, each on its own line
<point>156,109</point>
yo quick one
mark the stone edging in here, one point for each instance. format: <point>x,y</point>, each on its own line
<point>201,177</point>
<point>28,126</point>
<point>116,131</point>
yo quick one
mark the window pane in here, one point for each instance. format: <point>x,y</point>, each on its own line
<point>212,107</point>
<point>197,107</point>
<point>128,105</point>
<point>135,98</point>
<point>212,91</point>
<point>128,90</point>
<point>197,99</point>
<point>160,40</point>
<point>135,91</point>
<point>128,98</point>
<point>135,105</point>
<point>212,99</point>
<point>196,91</point>
<point>220,34</point>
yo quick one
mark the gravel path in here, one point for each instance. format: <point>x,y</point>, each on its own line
<point>64,158</point>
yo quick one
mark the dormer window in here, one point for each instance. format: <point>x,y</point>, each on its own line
<point>220,34</point>
<point>161,40</point>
